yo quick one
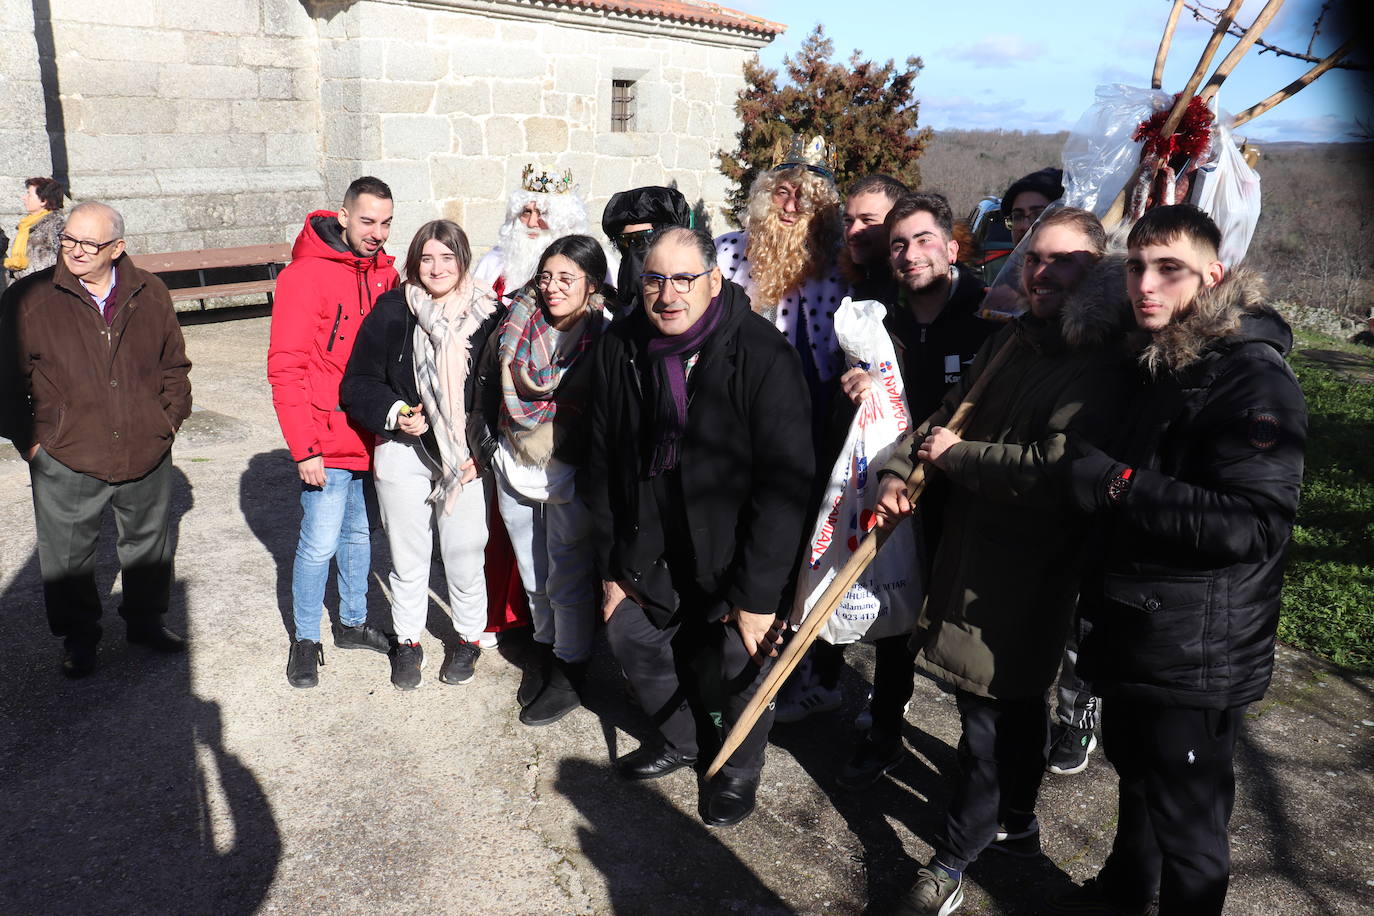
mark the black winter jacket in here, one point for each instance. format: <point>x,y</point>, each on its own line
<point>926,354</point>
<point>746,461</point>
<point>381,368</point>
<point>1186,603</point>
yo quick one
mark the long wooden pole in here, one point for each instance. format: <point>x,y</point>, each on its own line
<point>1251,35</point>
<point>830,599</point>
<point>1118,208</point>
<point>1157,79</point>
<point>1287,92</point>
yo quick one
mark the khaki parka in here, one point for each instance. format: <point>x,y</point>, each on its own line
<point>1006,568</point>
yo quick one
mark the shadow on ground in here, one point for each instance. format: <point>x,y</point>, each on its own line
<point>117,794</point>
<point>656,859</point>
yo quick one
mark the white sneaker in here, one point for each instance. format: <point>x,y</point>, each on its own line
<point>488,640</point>
<point>812,699</point>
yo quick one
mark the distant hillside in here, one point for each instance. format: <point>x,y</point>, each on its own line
<point>967,165</point>
<point>1316,222</point>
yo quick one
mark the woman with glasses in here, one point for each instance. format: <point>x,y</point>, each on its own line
<point>528,425</point>
<point>409,381</point>
<point>36,241</point>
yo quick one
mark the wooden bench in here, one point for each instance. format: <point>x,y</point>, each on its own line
<point>268,258</point>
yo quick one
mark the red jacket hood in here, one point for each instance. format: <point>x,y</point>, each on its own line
<point>311,243</point>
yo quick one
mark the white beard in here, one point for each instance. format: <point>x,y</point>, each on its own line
<point>522,254</point>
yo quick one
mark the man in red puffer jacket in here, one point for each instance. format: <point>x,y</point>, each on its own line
<point>337,271</point>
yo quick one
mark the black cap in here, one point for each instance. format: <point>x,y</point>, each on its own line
<point>660,207</point>
<point>1047,181</point>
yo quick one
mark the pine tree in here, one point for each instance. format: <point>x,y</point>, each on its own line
<point>865,111</point>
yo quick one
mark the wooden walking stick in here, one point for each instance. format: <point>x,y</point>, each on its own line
<point>830,599</point>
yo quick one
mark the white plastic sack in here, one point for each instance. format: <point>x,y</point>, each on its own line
<point>886,599</point>
<point>1100,156</point>
<point>1228,190</point>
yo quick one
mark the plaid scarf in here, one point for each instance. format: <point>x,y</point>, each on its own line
<point>534,358</point>
<point>443,337</point>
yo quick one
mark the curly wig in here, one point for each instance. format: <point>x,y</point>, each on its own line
<point>781,256</point>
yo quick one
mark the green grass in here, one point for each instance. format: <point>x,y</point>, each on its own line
<point>1328,600</point>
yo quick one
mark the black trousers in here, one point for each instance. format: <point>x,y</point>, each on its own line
<point>650,657</point>
<point>894,679</point>
<point>67,506</point>
<point>1002,754</point>
<point>1077,705</point>
<point>1178,787</point>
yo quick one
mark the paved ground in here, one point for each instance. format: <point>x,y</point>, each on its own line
<point>204,784</point>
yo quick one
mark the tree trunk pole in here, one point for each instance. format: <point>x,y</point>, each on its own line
<point>830,599</point>
<point>1157,79</point>
<point>1287,92</point>
<point>1118,208</point>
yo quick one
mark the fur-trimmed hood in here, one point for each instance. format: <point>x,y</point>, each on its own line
<point>1234,311</point>
<point>1097,312</point>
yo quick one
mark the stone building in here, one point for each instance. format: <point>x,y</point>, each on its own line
<point>221,124</point>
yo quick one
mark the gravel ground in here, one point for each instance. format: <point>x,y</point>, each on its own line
<point>205,784</point>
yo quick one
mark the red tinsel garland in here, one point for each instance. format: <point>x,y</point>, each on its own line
<point>1190,139</point>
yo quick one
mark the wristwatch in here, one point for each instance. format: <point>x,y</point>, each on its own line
<point>1118,486</point>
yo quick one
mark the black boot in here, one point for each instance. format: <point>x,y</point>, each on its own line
<point>559,696</point>
<point>536,673</point>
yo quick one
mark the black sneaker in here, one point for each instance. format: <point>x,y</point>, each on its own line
<point>461,664</point>
<point>78,659</point>
<point>1019,844</point>
<point>406,663</point>
<point>1070,750</point>
<point>871,760</point>
<point>363,636</point>
<point>302,665</point>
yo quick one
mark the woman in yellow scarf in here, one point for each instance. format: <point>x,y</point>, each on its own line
<point>36,243</point>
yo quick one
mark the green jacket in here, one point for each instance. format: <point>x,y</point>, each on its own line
<point>1007,564</point>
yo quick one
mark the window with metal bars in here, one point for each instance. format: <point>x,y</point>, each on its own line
<point>622,106</point>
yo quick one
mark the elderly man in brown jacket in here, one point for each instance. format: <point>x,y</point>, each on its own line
<point>94,383</point>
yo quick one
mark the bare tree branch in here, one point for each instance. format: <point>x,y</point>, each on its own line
<point>1317,26</point>
<point>1212,16</point>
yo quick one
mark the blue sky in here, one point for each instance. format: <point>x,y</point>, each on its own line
<point>1027,65</point>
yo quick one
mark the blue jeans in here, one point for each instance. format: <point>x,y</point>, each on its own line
<point>334,527</point>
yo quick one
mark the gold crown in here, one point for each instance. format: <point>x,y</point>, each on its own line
<point>544,183</point>
<point>810,154</point>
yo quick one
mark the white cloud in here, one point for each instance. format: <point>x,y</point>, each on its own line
<point>995,51</point>
<point>1112,73</point>
<point>1002,114</point>
<point>1315,129</point>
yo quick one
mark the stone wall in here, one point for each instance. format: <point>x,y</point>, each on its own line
<point>449,104</point>
<point>199,122</point>
<point>213,125</point>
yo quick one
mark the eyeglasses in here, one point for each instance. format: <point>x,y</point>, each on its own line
<point>68,244</point>
<point>682,283</point>
<point>637,241</point>
<point>1023,216</point>
<point>562,281</point>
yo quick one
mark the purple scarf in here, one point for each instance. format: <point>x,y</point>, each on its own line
<point>667,357</point>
